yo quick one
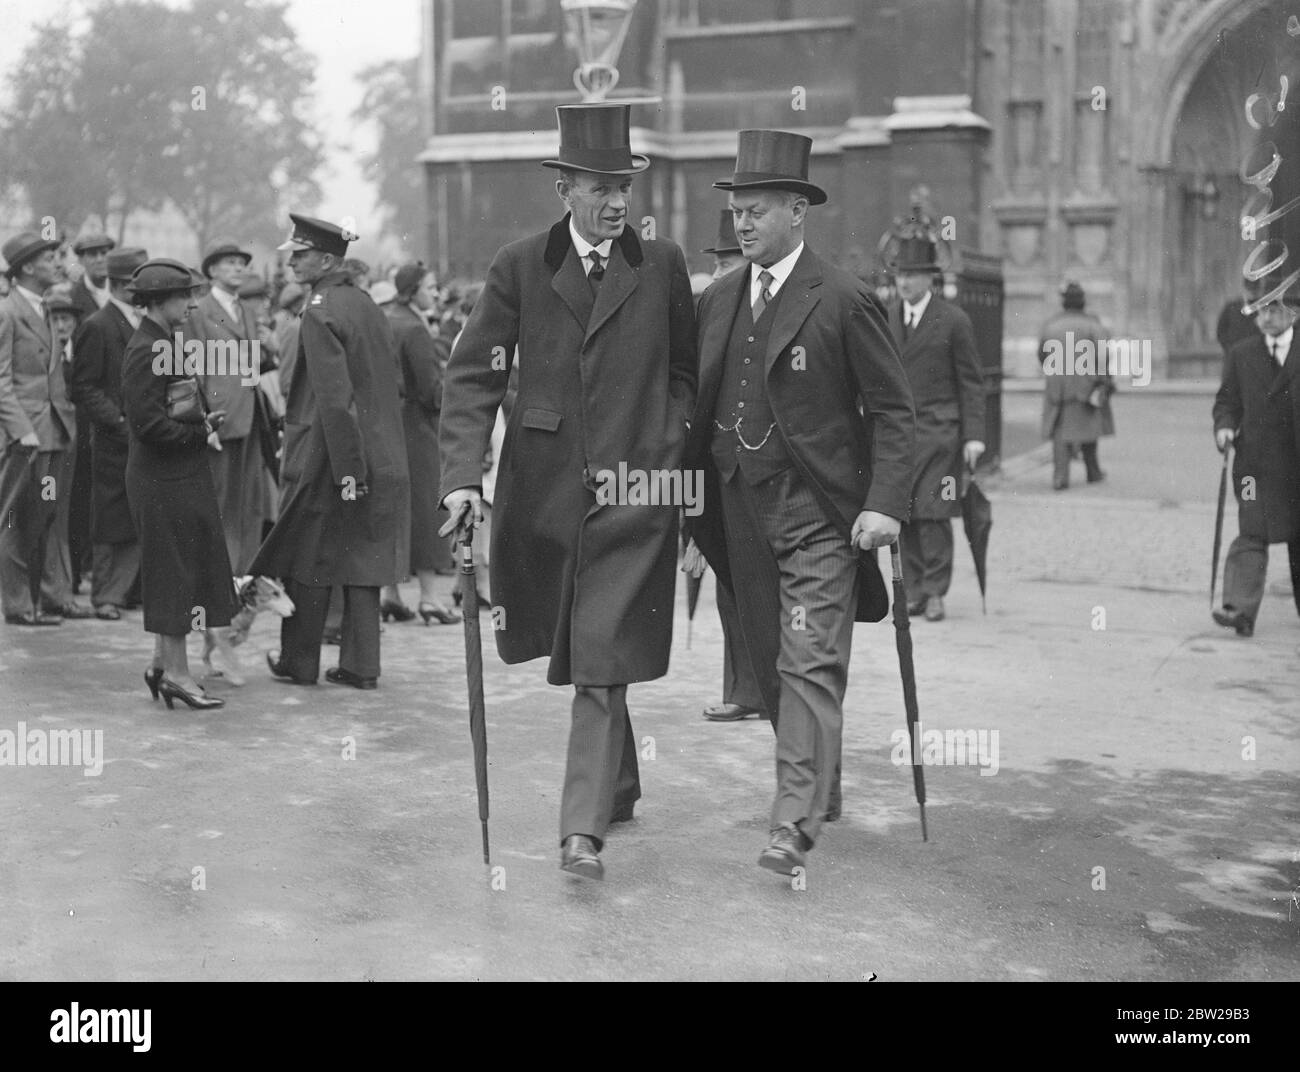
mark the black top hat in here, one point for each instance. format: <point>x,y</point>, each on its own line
<point>773,160</point>
<point>726,242</point>
<point>915,255</point>
<point>23,247</point>
<point>224,249</point>
<point>123,262</point>
<point>597,138</point>
<point>94,240</point>
<point>311,233</point>
<point>162,275</point>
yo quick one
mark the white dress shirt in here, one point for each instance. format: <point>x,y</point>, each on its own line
<point>227,301</point>
<point>912,313</point>
<point>100,294</point>
<point>33,299</point>
<point>584,248</point>
<point>780,272</point>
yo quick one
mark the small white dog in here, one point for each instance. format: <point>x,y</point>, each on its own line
<point>255,595</point>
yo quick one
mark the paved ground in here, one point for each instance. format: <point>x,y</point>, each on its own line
<point>1158,748</point>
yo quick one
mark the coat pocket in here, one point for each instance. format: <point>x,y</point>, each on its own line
<point>543,419</point>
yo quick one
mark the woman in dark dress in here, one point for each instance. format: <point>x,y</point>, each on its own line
<point>421,365</point>
<point>185,571</point>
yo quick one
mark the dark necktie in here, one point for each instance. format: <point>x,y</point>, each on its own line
<point>597,272</point>
<point>765,279</point>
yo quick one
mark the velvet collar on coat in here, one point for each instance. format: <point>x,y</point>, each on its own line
<point>559,242</point>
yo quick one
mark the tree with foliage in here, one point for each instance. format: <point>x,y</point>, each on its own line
<point>391,102</point>
<point>144,105</point>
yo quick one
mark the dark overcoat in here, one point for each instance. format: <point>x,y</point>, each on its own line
<point>603,380</point>
<point>948,390</point>
<point>1261,403</point>
<point>839,397</point>
<point>342,429</point>
<point>1067,412</point>
<point>183,559</point>
<point>96,388</point>
<point>422,358</point>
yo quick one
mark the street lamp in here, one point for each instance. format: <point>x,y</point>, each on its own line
<point>597,28</point>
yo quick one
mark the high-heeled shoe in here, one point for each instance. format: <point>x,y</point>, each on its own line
<point>153,675</point>
<point>395,609</point>
<point>429,612</point>
<point>171,691</point>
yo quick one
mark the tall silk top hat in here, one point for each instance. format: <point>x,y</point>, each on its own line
<point>726,242</point>
<point>773,160</point>
<point>597,138</point>
<point>915,255</point>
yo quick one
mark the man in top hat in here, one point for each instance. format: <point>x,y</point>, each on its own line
<point>1257,409</point>
<point>236,459</point>
<point>96,388</point>
<point>604,327</point>
<point>741,696</point>
<point>1076,406</point>
<point>804,431</point>
<point>345,500</point>
<point>37,430</point>
<point>937,342</point>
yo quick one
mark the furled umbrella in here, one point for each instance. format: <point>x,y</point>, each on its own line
<point>473,661</point>
<point>1218,522</point>
<point>977,520</point>
<point>903,641</point>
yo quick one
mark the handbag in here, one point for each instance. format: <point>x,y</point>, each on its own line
<point>185,401</point>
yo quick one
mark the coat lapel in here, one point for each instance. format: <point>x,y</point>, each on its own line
<point>38,326</point>
<point>713,333</point>
<point>618,285</point>
<point>1278,378</point>
<point>217,317</point>
<point>798,298</point>
<point>570,283</point>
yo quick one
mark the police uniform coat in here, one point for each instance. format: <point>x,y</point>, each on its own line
<point>839,397</point>
<point>603,380</point>
<point>1261,402</point>
<point>943,368</point>
<point>1067,413</point>
<point>96,387</point>
<point>342,428</point>
<point>183,559</point>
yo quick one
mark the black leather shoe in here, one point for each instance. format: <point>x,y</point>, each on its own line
<point>730,712</point>
<point>70,610</point>
<point>622,813</point>
<point>1234,619</point>
<point>785,851</point>
<point>281,672</point>
<point>1097,477</point>
<point>934,609</point>
<point>916,607</point>
<point>196,701</point>
<point>153,676</point>
<point>338,676</point>
<point>107,612</point>
<point>32,618</point>
<point>578,856</point>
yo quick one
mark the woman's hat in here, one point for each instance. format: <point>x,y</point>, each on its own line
<point>597,138</point>
<point>726,242</point>
<point>773,160</point>
<point>409,276</point>
<point>162,275</point>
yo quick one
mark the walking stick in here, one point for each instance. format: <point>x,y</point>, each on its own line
<point>903,640</point>
<point>1218,521</point>
<point>473,662</point>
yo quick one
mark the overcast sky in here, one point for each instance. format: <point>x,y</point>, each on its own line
<point>343,35</point>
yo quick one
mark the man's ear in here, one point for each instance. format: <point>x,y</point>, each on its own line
<point>562,189</point>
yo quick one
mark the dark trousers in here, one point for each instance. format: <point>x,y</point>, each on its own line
<point>117,566</point>
<point>300,633</point>
<point>26,525</point>
<point>926,546</point>
<point>57,589</point>
<point>739,684</point>
<point>1063,451</point>
<point>79,538</point>
<point>601,773</point>
<point>1244,571</point>
<point>795,579</point>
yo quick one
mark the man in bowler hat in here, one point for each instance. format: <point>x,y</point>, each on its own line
<point>1257,409</point>
<point>37,430</point>
<point>345,503</point>
<point>96,387</point>
<point>604,325</point>
<point>804,430</point>
<point>937,343</point>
